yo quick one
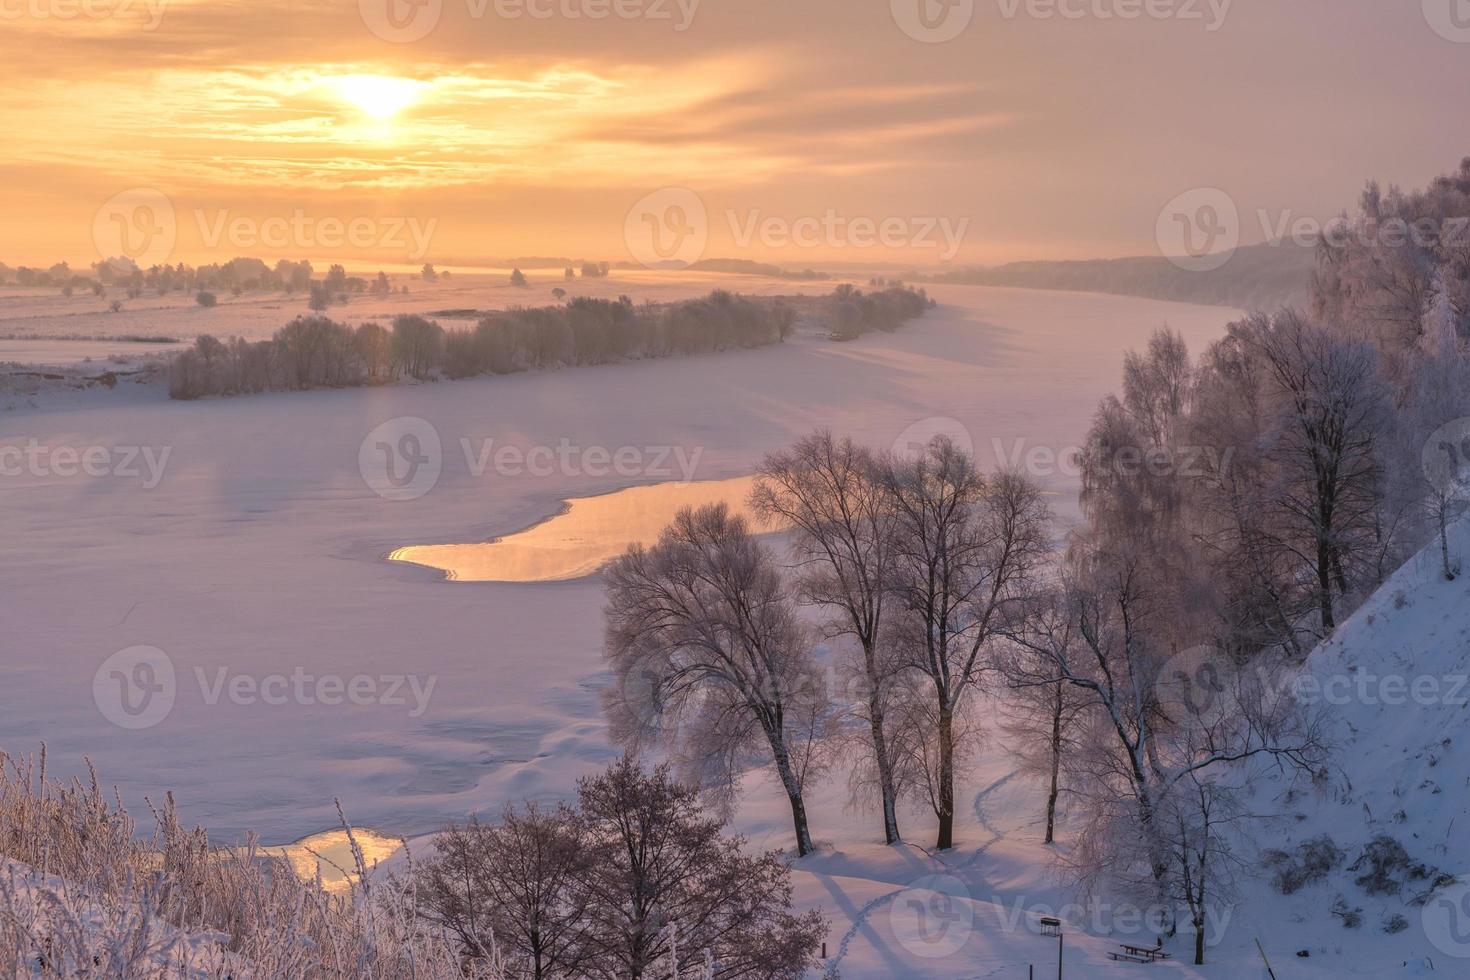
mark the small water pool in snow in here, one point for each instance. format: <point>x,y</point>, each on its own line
<point>330,853</point>
<point>587,534</point>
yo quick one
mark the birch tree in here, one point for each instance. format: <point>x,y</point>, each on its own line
<point>830,493</point>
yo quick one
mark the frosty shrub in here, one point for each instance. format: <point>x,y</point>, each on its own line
<point>82,894</point>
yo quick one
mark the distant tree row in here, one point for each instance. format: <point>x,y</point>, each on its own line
<point>235,277</point>
<point>854,313</point>
<point>316,351</point>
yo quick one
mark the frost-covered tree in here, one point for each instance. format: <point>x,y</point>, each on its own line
<point>711,659</point>
<point>1330,408</point>
<point>831,494</point>
<point>1041,715</point>
<point>967,557</point>
<point>665,884</point>
<point>514,889</point>
<point>1155,717</point>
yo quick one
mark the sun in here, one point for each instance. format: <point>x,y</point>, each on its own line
<point>378,96</point>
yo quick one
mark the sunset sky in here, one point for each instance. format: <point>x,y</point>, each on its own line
<point>514,135</point>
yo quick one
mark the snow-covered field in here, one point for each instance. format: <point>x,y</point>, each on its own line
<point>288,663</point>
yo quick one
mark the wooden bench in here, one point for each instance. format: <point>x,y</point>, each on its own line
<point>1129,957</point>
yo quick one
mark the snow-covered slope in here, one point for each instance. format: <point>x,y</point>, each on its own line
<point>1398,788</point>
<point>1389,823</point>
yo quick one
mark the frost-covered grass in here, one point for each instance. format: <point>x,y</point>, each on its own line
<point>82,894</point>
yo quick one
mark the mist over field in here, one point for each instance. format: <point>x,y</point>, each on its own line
<point>686,490</point>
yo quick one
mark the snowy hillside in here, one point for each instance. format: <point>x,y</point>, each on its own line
<point>1397,803</point>
<point>1398,774</point>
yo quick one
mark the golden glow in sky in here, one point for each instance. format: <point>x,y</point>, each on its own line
<point>534,133</point>
<point>379,96</point>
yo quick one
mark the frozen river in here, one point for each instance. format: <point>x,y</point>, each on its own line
<point>233,634</point>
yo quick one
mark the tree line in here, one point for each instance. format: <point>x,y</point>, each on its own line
<point>316,351</point>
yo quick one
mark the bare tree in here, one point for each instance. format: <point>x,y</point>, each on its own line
<point>1042,714</point>
<point>1203,816</point>
<point>967,554</point>
<point>666,891</point>
<point>832,495</point>
<point>512,889</point>
<point>711,659</point>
